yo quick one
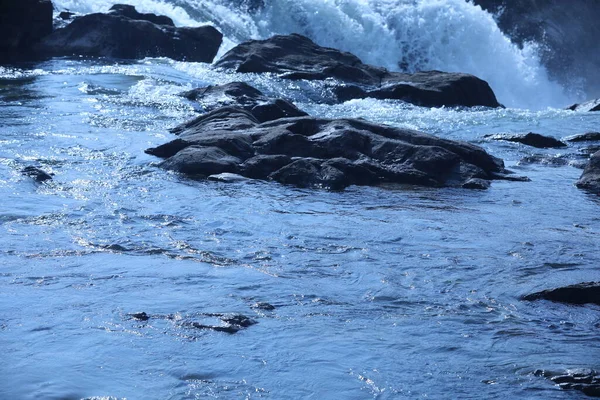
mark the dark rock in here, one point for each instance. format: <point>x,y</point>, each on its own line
<point>141,316</point>
<point>36,173</point>
<point>588,106</point>
<point>23,23</point>
<point>582,293</point>
<point>581,379</point>
<point>242,95</point>
<point>118,36</point>
<point>307,152</point>
<point>130,12</point>
<point>530,139</point>
<point>584,137</point>
<point>297,57</point>
<point>590,179</point>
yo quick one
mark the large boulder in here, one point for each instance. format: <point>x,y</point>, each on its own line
<point>590,179</point>
<point>124,33</point>
<point>22,24</point>
<point>319,152</point>
<point>130,12</point>
<point>297,57</point>
<point>582,293</point>
<point>242,95</point>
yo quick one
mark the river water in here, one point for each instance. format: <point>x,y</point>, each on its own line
<point>384,292</point>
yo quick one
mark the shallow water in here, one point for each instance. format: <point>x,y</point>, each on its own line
<point>386,292</point>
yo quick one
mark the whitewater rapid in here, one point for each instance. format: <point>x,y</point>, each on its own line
<point>401,35</point>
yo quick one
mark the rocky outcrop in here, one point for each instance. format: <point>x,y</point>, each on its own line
<point>584,380</point>
<point>125,33</point>
<point>297,57</point>
<point>566,30</point>
<point>318,152</point>
<point>582,293</point>
<point>590,179</point>
<point>244,96</point>
<point>529,139</point>
<point>23,23</point>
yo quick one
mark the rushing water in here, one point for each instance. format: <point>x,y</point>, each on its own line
<point>385,292</point>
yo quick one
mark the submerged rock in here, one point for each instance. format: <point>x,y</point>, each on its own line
<point>584,380</point>
<point>23,23</point>
<point>582,293</point>
<point>125,33</point>
<point>297,57</point>
<point>529,139</point>
<point>36,173</point>
<point>590,179</point>
<point>242,95</point>
<point>318,152</point>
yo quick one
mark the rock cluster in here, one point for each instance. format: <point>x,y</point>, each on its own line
<point>317,152</point>
<point>297,57</point>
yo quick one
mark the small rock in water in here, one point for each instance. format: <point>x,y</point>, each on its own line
<point>36,173</point>
<point>529,139</point>
<point>476,183</point>
<point>140,316</point>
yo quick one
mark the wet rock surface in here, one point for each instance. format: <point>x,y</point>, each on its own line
<point>297,57</point>
<point>590,179</point>
<point>584,380</point>
<point>529,139</point>
<point>584,137</point>
<point>318,152</point>
<point>244,96</point>
<point>125,33</point>
<point>582,293</point>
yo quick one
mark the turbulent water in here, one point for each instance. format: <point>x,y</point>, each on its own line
<point>386,292</point>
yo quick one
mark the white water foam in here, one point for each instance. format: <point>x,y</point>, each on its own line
<point>401,35</point>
